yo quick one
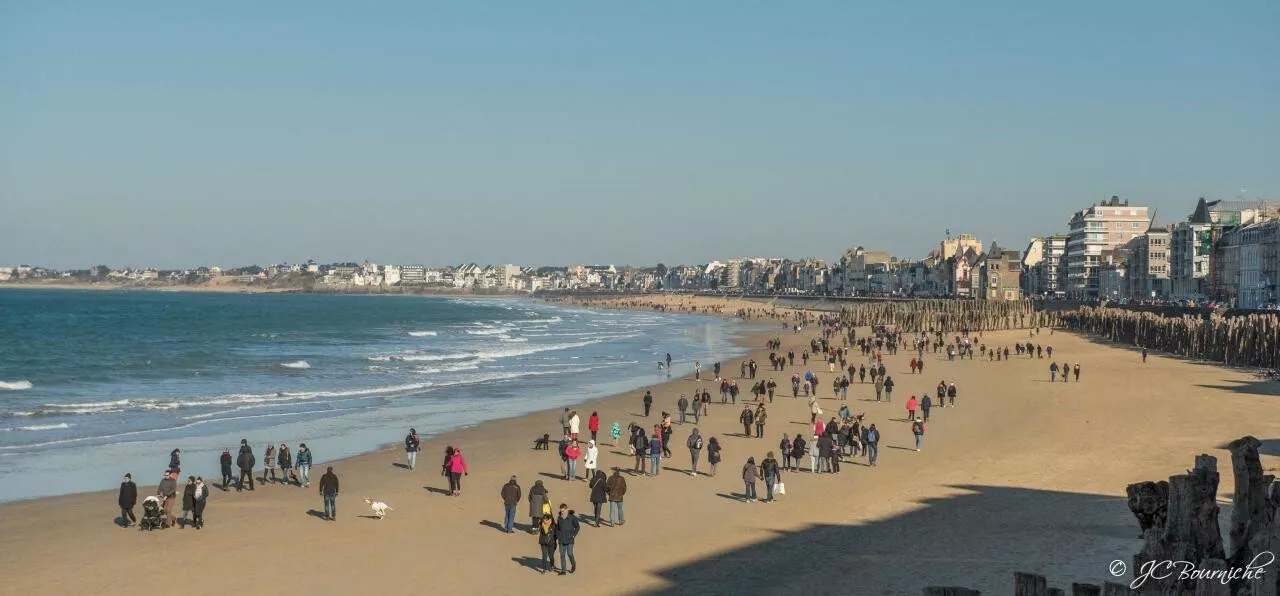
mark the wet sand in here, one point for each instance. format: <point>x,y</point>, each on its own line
<point>1021,475</point>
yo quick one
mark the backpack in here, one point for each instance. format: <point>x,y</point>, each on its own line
<point>695,442</point>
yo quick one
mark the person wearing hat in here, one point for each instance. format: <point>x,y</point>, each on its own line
<point>246,461</point>
<point>411,447</point>
<point>285,459</point>
<point>225,462</point>
<point>917,429</point>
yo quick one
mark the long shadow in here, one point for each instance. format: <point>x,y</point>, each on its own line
<point>495,525</point>
<point>437,491</point>
<point>401,466</point>
<point>1268,447</point>
<point>551,475</point>
<point>976,538</point>
<point>731,496</point>
<point>1256,387</point>
<point>533,563</point>
<point>317,514</point>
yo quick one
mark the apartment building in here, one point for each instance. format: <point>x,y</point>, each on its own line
<point>1094,234</point>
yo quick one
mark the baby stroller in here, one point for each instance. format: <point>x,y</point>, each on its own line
<point>152,516</point>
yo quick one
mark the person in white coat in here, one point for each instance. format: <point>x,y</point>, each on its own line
<point>590,460</point>
<point>574,423</point>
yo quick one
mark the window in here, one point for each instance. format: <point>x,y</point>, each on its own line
<point>1135,225</point>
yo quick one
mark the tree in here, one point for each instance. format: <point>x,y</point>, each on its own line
<point>101,271</point>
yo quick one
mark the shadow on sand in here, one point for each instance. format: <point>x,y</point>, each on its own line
<point>977,538</point>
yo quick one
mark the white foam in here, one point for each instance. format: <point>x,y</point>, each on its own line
<point>421,357</point>
<point>427,370</point>
<point>15,385</point>
<point>422,333</point>
<point>513,339</point>
<point>488,331</point>
<point>37,427</point>
<point>297,365</point>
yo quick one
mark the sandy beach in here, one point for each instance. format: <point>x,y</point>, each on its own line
<point>1022,475</point>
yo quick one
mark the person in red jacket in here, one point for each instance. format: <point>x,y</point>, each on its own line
<point>911,408</point>
<point>572,452</point>
<point>593,425</point>
<point>457,469</point>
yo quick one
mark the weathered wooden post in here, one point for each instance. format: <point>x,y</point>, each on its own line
<point>1029,584</point>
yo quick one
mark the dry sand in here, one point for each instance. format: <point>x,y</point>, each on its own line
<point>1021,475</point>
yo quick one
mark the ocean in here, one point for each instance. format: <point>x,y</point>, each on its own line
<point>94,384</point>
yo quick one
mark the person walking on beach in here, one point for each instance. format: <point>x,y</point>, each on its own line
<point>199,500</point>
<point>760,417</point>
<point>750,473</point>
<point>920,364</point>
<point>784,447</point>
<point>695,449</point>
<point>713,456</point>
<point>772,476</point>
<point>285,459</point>
<point>1144,355</point>
<point>1076,371</point>
<point>168,493</point>
<point>1053,371</point>
<point>593,425</point>
<point>798,451</point>
<point>411,447</point>
<point>888,389</point>
<point>697,370</point>
<point>245,460</point>
<point>539,505</point>
<point>616,488</point>
<point>911,408</point>
<point>917,429</point>
<point>682,405</point>
<point>648,403</point>
<point>814,410</point>
<point>128,500</point>
<point>269,463</point>
<point>951,395</point>
<point>925,405</point>
<point>879,383</point>
<point>615,431</point>
<point>304,465</point>
<point>546,528</point>
<point>655,452</point>
<point>873,444</point>
<point>571,454</point>
<point>329,492</point>
<point>599,493</point>
<point>639,444</point>
<point>224,461</point>
<point>457,469</point>
<point>589,458</point>
<point>175,461</point>
<point>566,532</point>
<point>510,499</point>
<point>564,422</point>
<point>188,501</point>
<point>574,424</point>
<point>668,360</point>
<point>746,418</point>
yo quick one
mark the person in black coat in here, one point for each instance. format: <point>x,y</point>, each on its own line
<point>599,493</point>
<point>225,460</point>
<point>188,500</point>
<point>128,499</point>
<point>175,460</point>
<point>246,461</point>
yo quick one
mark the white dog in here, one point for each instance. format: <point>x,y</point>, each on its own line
<point>380,509</point>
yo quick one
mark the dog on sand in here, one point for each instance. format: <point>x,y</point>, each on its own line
<point>543,444</point>
<point>380,509</point>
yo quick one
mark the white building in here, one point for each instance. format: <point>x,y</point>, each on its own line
<point>1094,233</point>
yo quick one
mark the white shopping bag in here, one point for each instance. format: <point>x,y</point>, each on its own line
<point>780,488</point>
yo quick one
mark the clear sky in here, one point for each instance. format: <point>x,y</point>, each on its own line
<point>179,133</point>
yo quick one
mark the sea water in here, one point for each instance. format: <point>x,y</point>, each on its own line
<point>94,384</point>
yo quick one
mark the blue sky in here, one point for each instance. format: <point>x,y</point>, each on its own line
<point>169,133</point>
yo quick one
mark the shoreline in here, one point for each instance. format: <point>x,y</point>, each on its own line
<point>1009,480</point>
<point>357,433</point>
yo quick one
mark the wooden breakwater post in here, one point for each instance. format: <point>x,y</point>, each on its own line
<point>1179,519</point>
